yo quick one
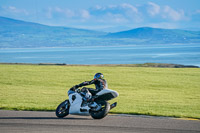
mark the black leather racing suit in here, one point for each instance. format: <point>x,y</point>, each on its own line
<point>100,84</point>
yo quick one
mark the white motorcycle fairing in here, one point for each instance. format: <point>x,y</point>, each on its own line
<point>78,106</point>
<point>76,100</point>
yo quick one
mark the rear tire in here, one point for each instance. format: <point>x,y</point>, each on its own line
<point>105,108</point>
<point>63,109</point>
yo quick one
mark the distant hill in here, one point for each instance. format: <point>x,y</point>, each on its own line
<point>16,33</point>
<point>21,34</point>
<point>153,35</point>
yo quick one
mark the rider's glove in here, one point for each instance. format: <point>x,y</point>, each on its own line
<point>74,87</point>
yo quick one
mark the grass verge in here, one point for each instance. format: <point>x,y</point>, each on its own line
<point>149,91</point>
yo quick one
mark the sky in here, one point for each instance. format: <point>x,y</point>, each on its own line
<point>106,15</point>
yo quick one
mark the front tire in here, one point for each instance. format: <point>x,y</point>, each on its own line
<point>63,109</point>
<point>105,108</point>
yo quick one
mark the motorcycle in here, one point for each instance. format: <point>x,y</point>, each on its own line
<point>77,103</point>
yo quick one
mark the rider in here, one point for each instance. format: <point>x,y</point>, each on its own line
<point>99,81</point>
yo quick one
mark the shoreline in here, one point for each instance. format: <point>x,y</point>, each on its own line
<point>159,65</point>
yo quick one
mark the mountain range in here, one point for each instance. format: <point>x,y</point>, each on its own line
<point>21,34</point>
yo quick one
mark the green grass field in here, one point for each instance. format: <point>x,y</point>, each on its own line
<point>150,91</point>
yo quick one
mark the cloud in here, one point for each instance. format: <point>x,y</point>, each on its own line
<point>124,14</point>
<point>14,10</point>
<point>163,13</point>
<point>85,14</point>
<point>153,9</point>
<point>55,12</point>
<point>195,17</point>
<point>65,13</point>
<point>169,13</point>
<point>130,7</point>
<point>198,11</point>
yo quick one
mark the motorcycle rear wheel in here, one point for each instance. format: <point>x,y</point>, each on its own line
<point>105,108</point>
<point>63,109</point>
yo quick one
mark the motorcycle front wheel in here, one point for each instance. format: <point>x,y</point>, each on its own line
<point>63,109</point>
<point>105,108</point>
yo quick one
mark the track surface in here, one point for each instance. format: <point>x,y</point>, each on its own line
<point>47,122</point>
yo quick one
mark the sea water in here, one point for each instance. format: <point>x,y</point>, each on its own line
<point>133,54</point>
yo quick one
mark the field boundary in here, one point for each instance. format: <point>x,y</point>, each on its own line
<point>159,65</point>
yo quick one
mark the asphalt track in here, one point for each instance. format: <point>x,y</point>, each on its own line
<point>47,122</point>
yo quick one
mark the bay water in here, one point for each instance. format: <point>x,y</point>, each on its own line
<point>133,54</point>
